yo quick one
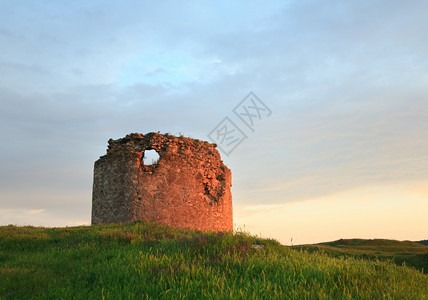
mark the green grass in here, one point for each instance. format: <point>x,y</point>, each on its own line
<point>412,254</point>
<point>148,260</point>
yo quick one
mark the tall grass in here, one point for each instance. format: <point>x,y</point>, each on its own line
<point>148,260</point>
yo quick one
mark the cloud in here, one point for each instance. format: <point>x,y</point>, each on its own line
<point>35,211</point>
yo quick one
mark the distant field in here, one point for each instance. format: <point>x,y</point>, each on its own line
<point>149,260</point>
<point>413,254</point>
<point>424,242</point>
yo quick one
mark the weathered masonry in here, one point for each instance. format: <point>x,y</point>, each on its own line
<point>188,187</point>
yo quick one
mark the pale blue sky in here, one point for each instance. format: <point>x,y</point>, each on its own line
<point>347,83</point>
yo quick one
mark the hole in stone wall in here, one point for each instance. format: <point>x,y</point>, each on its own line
<point>151,157</point>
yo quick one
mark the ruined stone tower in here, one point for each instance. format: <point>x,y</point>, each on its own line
<point>189,187</point>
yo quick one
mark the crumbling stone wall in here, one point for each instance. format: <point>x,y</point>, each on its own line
<point>189,187</point>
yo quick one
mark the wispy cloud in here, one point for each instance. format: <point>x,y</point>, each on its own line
<point>35,211</point>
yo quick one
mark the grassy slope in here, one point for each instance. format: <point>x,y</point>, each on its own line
<point>412,254</point>
<point>147,260</point>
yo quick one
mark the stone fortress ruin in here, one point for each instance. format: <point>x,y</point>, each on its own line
<point>188,187</point>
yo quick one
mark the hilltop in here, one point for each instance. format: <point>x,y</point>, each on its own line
<point>413,254</point>
<point>149,260</point>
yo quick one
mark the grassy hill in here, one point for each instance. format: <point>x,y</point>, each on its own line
<point>148,260</point>
<point>412,254</point>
